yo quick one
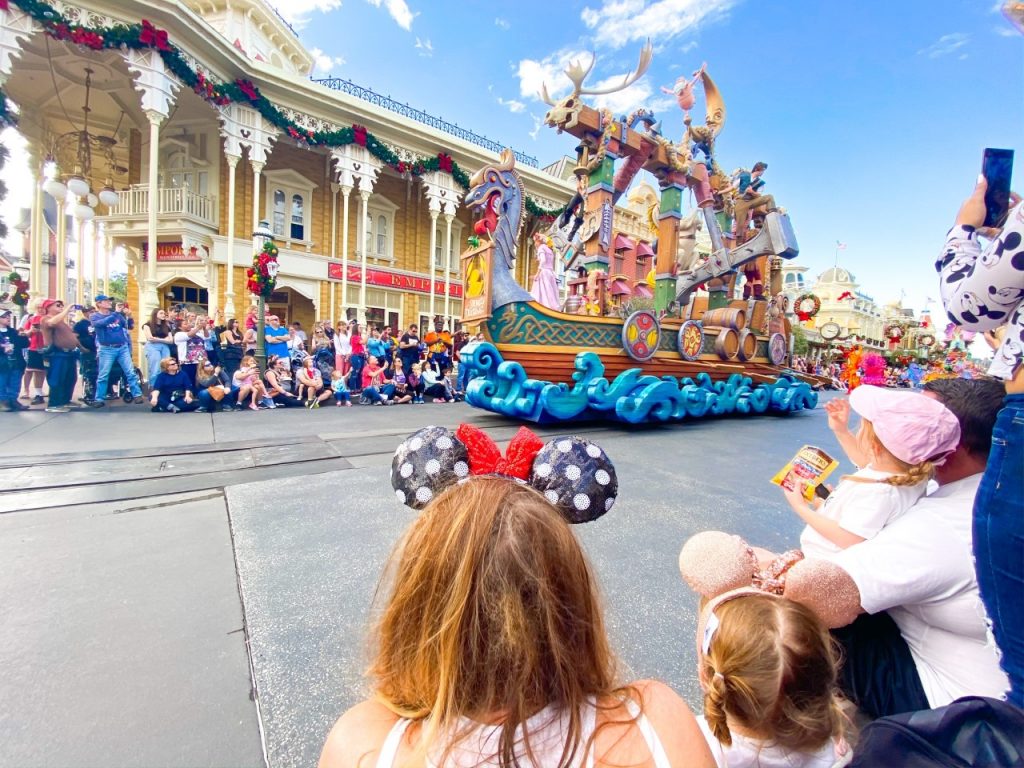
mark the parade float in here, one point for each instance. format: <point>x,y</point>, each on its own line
<point>668,351</point>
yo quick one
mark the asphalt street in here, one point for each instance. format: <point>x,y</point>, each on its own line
<point>194,589</point>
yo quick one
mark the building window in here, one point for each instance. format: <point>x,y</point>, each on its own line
<point>380,228</point>
<point>439,246</point>
<point>289,194</point>
<point>298,222</point>
<point>382,237</point>
<point>277,217</point>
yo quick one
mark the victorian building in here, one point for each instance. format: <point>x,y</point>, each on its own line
<point>181,126</point>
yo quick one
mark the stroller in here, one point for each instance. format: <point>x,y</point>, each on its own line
<point>118,379</point>
<point>324,361</point>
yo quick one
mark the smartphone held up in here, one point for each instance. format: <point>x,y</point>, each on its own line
<point>997,167</point>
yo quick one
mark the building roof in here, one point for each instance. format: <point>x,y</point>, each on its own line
<point>837,275</point>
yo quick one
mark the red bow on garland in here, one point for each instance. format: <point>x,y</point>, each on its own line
<point>485,457</point>
<point>803,317</point>
<point>444,162</point>
<point>153,37</point>
<point>359,135</point>
<point>246,87</point>
<point>845,295</point>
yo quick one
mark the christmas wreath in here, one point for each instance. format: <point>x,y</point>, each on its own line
<point>926,340</point>
<point>806,306</point>
<point>19,292</point>
<point>262,275</point>
<point>894,332</point>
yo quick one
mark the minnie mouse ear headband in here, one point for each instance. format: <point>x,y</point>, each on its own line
<point>575,476</point>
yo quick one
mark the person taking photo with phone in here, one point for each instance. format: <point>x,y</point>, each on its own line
<point>983,290</point>
<point>112,345</point>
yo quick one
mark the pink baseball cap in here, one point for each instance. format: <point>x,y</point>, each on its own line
<point>912,427</point>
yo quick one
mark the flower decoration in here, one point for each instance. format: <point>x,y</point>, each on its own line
<point>20,293</point>
<point>262,275</point>
<point>806,306</point>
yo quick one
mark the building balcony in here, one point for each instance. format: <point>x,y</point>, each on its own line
<point>176,202</point>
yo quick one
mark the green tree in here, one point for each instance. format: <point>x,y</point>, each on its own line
<point>119,286</point>
<point>800,345</point>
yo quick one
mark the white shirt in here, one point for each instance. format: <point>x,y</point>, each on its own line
<point>181,340</point>
<point>342,344</point>
<point>861,508</point>
<point>745,752</point>
<point>920,569</point>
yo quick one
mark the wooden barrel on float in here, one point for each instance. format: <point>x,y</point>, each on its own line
<point>725,317</point>
<point>727,345</point>
<point>747,343</point>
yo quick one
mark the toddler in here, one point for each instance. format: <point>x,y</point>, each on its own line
<point>902,436</point>
<point>342,396</point>
<point>767,667</point>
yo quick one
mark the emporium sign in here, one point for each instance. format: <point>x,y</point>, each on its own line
<point>384,278</point>
<point>171,252</point>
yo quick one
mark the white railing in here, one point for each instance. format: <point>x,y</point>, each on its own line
<point>170,200</point>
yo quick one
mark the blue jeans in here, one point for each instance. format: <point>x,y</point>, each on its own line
<point>155,352</point>
<point>107,356</point>
<point>999,541</point>
<point>355,377</point>
<point>463,377</point>
<point>10,384</point>
<point>61,376</point>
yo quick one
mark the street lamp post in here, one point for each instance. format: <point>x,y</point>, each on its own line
<point>261,235</point>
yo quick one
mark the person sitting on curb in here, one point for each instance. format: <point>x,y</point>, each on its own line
<point>311,384</point>
<point>113,345</point>
<point>173,389</point>
<point>214,388</point>
<point>342,395</point>
<point>375,389</point>
<point>280,383</point>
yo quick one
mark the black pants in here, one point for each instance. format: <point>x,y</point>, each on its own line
<point>62,375</point>
<point>878,672</point>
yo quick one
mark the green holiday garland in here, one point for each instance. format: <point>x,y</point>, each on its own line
<point>144,36</point>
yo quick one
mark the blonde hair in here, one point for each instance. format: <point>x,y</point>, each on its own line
<point>166,362</point>
<point>493,610</point>
<point>912,474</point>
<point>771,668</point>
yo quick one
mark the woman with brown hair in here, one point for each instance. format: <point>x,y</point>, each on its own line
<point>491,647</point>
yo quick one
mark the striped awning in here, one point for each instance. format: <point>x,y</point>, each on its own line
<point>644,251</point>
<point>623,243</point>
<point>621,288</point>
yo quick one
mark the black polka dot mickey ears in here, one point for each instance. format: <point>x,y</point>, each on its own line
<point>575,475</point>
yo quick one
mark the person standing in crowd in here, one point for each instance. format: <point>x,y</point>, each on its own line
<point>191,348</point>
<point>276,338</point>
<point>159,340</point>
<point>358,359</point>
<point>983,290</point>
<point>248,342</point>
<point>12,363</point>
<point>88,366</point>
<point>250,316</point>
<point>61,346</point>
<point>113,345</point>
<point>439,346</point>
<point>35,368</point>
<point>299,333</point>
<point>342,348</point>
<point>388,341</point>
<point>375,347</point>
<point>231,347</point>
<point>409,347</point>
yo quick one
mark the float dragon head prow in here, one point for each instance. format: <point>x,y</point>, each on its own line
<point>498,189</point>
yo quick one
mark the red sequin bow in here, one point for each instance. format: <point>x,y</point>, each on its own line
<point>485,457</point>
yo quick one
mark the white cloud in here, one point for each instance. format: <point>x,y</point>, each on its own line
<point>502,23</point>
<point>945,45</point>
<point>624,101</point>
<point>533,74</point>
<point>688,46</point>
<point>398,10</point>
<point>297,12</point>
<point>1006,32</point>
<point>538,123</point>
<point>618,22</point>
<point>512,104</point>
<point>425,47</point>
<point>322,63</point>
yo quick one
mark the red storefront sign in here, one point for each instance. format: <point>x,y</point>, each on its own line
<point>171,252</point>
<point>386,279</point>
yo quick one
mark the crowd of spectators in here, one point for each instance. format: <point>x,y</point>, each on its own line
<point>206,364</point>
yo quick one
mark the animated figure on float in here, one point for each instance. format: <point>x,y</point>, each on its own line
<point>545,284</point>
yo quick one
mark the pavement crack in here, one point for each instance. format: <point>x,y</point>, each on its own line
<point>168,503</point>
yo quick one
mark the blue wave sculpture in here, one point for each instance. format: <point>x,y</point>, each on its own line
<point>501,386</point>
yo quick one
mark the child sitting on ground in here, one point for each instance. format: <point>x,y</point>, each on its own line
<point>342,396</point>
<point>767,667</point>
<point>902,436</point>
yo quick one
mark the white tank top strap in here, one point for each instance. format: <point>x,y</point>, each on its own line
<point>647,731</point>
<point>389,750</point>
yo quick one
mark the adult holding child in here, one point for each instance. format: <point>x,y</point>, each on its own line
<point>491,644</point>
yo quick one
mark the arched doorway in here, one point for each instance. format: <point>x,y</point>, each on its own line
<point>182,291</point>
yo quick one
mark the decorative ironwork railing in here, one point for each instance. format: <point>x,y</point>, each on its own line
<point>135,202</point>
<point>386,102</point>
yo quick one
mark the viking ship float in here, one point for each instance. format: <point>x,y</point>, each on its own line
<point>687,354</point>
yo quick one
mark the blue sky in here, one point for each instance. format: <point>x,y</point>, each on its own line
<point>872,116</point>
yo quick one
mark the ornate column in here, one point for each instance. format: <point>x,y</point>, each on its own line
<point>364,199</point>
<point>35,243</point>
<point>62,253</point>
<point>257,168</point>
<point>433,247</point>
<point>156,86</point>
<point>334,250</point>
<point>346,190</point>
<point>96,288</point>
<point>108,245</point>
<point>80,265</point>
<point>447,266</point>
<point>229,283</point>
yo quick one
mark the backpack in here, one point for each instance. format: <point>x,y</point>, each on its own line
<point>972,731</point>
